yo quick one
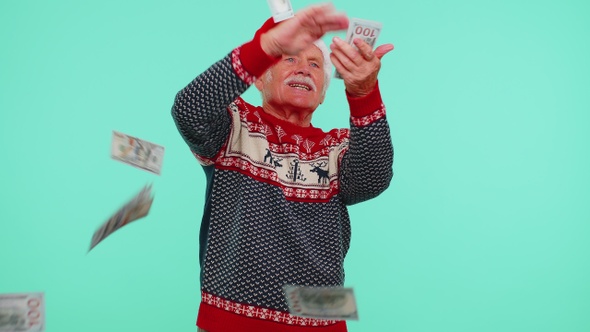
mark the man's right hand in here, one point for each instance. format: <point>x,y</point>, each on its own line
<point>299,32</point>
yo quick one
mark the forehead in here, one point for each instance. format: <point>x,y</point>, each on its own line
<point>311,52</point>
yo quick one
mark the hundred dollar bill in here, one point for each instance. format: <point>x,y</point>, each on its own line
<point>322,302</point>
<point>137,152</point>
<point>362,29</point>
<point>136,208</point>
<point>24,312</point>
<point>280,9</point>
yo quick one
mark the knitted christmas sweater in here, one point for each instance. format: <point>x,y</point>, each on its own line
<point>275,209</point>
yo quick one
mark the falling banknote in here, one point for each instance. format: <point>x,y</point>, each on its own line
<point>322,302</point>
<point>137,152</point>
<point>280,9</point>
<point>362,29</point>
<point>137,208</point>
<point>24,312</point>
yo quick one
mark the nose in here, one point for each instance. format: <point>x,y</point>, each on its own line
<point>302,69</point>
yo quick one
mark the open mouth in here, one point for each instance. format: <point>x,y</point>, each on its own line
<point>300,86</point>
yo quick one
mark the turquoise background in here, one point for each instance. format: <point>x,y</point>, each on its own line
<point>486,224</point>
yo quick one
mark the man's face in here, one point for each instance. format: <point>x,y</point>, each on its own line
<point>295,81</point>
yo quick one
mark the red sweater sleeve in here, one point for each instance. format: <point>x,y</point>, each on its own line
<point>254,60</point>
<point>366,105</point>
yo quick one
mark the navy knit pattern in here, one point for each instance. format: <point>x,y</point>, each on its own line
<point>205,131</point>
<point>259,242</point>
<point>367,165</point>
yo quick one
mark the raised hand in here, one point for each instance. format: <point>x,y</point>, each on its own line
<point>296,34</point>
<point>358,68</point>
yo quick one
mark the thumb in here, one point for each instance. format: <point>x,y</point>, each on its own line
<point>382,50</point>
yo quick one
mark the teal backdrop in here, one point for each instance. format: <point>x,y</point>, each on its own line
<point>485,227</point>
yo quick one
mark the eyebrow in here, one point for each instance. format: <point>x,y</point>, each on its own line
<point>319,59</point>
<point>315,58</point>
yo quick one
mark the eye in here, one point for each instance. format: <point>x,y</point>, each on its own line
<point>315,64</point>
<point>289,59</point>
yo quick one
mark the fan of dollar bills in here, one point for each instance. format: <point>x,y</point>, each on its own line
<point>136,208</point>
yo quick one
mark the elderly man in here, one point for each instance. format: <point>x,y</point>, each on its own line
<point>278,187</point>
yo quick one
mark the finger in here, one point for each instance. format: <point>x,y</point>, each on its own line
<point>364,49</point>
<point>338,65</point>
<point>341,47</point>
<point>323,16</point>
<point>343,63</point>
<point>336,22</point>
<point>326,7</point>
<point>382,50</point>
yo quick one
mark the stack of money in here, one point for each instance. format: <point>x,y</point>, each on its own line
<point>24,312</point>
<point>137,208</point>
<point>362,29</point>
<point>334,303</point>
<point>136,152</point>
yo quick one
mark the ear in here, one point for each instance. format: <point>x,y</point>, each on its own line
<point>259,83</point>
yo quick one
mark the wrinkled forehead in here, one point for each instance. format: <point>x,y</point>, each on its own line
<point>312,51</point>
<point>315,51</point>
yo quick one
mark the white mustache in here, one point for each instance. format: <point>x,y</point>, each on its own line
<point>301,80</point>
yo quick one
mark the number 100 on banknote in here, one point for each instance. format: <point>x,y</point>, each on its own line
<point>362,29</point>
<point>23,312</point>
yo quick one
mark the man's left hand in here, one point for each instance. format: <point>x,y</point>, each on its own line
<point>358,68</point>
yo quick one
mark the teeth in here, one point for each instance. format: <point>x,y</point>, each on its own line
<point>299,86</point>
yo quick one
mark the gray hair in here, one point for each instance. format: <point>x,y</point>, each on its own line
<point>327,62</point>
